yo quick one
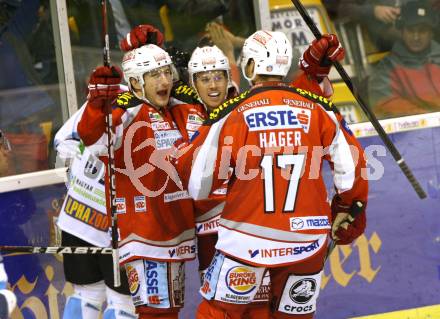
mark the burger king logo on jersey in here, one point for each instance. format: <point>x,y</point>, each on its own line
<point>241,280</point>
<point>133,279</point>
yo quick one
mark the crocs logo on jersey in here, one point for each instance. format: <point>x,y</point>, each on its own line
<point>271,118</point>
<point>241,280</point>
<point>303,290</point>
<point>133,279</point>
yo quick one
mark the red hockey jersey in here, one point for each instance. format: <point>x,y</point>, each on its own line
<point>274,138</point>
<point>154,212</point>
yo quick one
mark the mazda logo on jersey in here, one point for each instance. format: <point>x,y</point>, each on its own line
<point>303,290</point>
<point>306,223</point>
<point>241,280</point>
<point>276,117</point>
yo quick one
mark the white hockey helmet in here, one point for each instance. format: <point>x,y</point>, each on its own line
<point>208,58</point>
<point>137,62</point>
<point>271,51</point>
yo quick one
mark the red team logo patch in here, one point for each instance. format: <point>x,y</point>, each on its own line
<point>120,205</point>
<point>140,204</point>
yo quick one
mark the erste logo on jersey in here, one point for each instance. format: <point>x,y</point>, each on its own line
<point>275,117</point>
<point>303,117</point>
<point>133,279</point>
<point>241,280</point>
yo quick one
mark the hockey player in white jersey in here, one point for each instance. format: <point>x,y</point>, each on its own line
<point>83,223</point>
<point>8,301</point>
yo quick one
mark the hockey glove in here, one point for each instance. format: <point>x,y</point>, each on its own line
<point>317,59</point>
<point>141,35</point>
<point>104,85</point>
<point>348,222</point>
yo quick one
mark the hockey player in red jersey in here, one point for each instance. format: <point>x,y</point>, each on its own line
<point>156,219</point>
<point>272,137</point>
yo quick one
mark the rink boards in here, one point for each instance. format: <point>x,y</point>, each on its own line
<point>395,265</point>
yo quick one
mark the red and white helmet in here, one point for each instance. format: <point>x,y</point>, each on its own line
<point>137,62</point>
<point>207,58</point>
<point>271,51</point>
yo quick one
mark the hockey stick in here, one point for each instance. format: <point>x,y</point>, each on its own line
<point>370,115</point>
<point>57,250</point>
<point>110,153</point>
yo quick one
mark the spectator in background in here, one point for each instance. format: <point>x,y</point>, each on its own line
<point>24,103</point>
<point>5,151</point>
<point>408,80</point>
<point>377,16</point>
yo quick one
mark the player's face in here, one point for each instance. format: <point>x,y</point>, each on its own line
<point>417,38</point>
<point>157,86</point>
<point>211,87</point>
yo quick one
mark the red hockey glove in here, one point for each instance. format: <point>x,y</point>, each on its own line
<point>104,85</point>
<point>348,222</point>
<point>316,59</point>
<point>141,35</point>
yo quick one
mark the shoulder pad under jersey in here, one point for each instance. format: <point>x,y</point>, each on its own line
<point>226,107</point>
<point>127,100</point>
<point>185,93</point>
